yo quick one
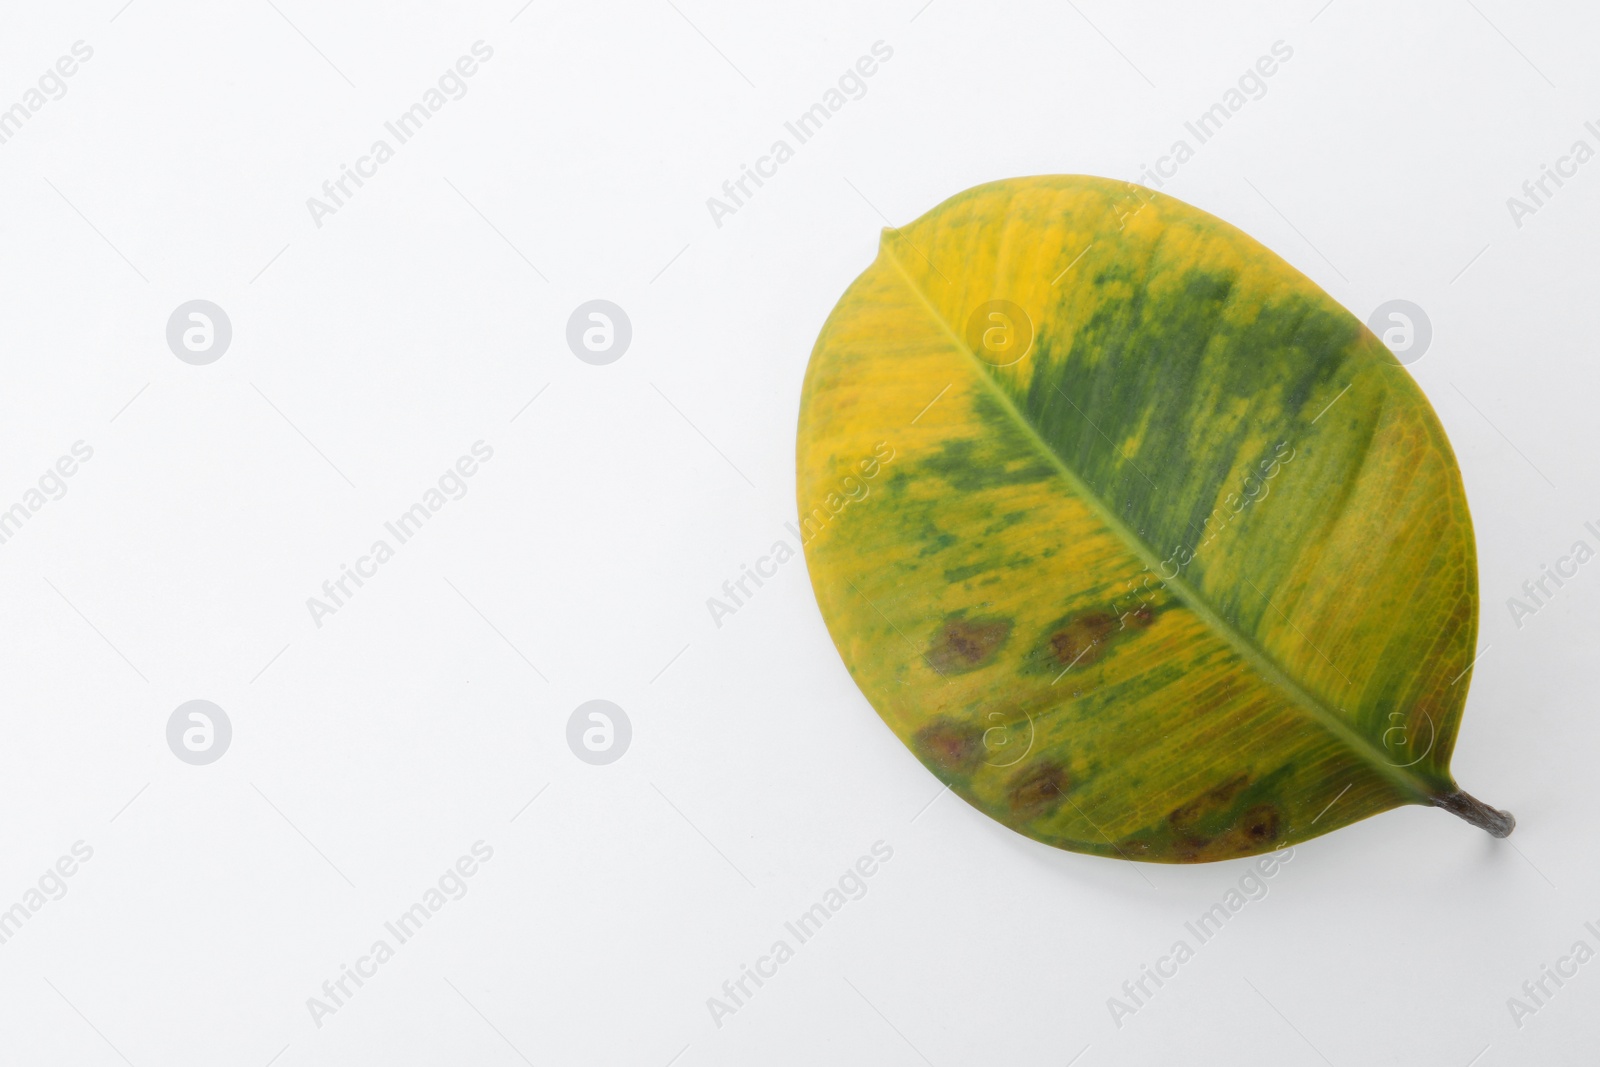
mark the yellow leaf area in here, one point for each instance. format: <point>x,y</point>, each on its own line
<point>1171,561</point>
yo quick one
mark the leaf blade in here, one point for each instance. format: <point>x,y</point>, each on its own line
<point>1054,440</point>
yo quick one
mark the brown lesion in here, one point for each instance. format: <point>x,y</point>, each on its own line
<point>1254,831</point>
<point>954,749</point>
<point>1215,799</point>
<point>1082,639</point>
<point>1038,790</point>
<point>1085,638</point>
<point>962,644</point>
<point>1139,618</point>
<point>1261,825</point>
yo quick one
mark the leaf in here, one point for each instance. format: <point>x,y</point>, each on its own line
<point>1136,538</point>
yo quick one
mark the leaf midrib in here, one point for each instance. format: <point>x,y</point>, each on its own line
<point>1245,645</point>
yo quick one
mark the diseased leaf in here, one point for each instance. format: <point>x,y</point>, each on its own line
<point>1136,538</point>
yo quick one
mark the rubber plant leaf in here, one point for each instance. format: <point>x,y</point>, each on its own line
<point>1143,544</point>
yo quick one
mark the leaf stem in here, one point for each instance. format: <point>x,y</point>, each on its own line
<point>1498,823</point>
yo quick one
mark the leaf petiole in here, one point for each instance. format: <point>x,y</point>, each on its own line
<point>1498,823</point>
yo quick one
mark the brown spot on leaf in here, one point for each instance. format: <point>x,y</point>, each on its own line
<point>1212,800</point>
<point>1252,832</point>
<point>1139,618</point>
<point>1038,790</point>
<point>955,748</point>
<point>1077,641</point>
<point>1261,824</point>
<point>1191,849</point>
<point>1082,639</point>
<point>962,644</point>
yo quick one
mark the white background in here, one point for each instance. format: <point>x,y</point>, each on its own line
<point>369,353</point>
